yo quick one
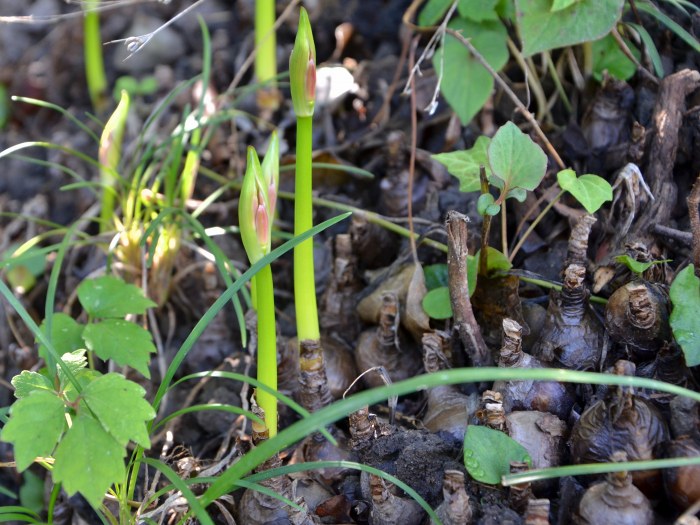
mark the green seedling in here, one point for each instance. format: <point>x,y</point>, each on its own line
<point>514,165</point>
<point>81,418</point>
<point>94,62</point>
<point>255,212</point>
<point>302,73</point>
<point>638,267</point>
<point>266,55</point>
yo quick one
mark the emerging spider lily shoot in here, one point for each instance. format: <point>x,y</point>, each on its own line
<point>254,218</point>
<point>302,69</point>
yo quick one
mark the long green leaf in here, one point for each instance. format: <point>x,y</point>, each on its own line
<point>231,409</point>
<point>343,408</point>
<point>654,11</point>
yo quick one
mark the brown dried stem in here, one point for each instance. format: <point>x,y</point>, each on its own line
<point>694,215</point>
<point>465,322</point>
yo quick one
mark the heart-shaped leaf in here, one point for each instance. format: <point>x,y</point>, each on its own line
<point>436,303</point>
<point>465,165</point>
<point>516,161</point>
<point>685,296</point>
<point>488,453</point>
<point>590,190</point>
<point>478,10</point>
<point>541,28</point>
<point>467,97</point>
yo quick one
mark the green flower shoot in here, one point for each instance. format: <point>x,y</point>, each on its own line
<point>254,219</point>
<point>302,73</point>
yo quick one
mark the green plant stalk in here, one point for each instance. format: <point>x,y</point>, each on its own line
<point>304,284</point>
<point>267,347</point>
<point>265,42</point>
<point>94,63</point>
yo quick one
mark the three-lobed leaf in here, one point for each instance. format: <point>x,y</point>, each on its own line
<point>110,297</point>
<point>488,453</point>
<point>541,28</point>
<point>88,460</point>
<point>27,382</point>
<point>120,407</point>
<point>590,190</point>
<point>516,161</point>
<point>35,426</point>
<point>685,296</point>
<point>465,165</point>
<point>66,335</point>
<point>124,342</point>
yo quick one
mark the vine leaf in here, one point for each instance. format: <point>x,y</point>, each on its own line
<point>489,38</point>
<point>35,426</point>
<point>589,190</point>
<point>65,335</point>
<point>125,342</point>
<point>685,296</point>
<point>110,297</point>
<point>516,161</point>
<point>542,28</point>
<point>89,460</point>
<point>120,407</point>
<point>488,453</point>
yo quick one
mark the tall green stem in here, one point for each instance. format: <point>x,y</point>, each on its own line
<point>94,63</point>
<point>304,284</point>
<point>267,346</point>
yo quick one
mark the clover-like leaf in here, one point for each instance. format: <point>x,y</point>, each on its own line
<point>488,453</point>
<point>120,407</point>
<point>35,426</point>
<point>124,342</point>
<point>465,165</point>
<point>489,38</point>
<point>685,296</point>
<point>108,296</point>
<point>27,382</point>
<point>88,460</point>
<point>516,161</point>
<point>436,303</point>
<point>590,190</point>
<point>542,29</point>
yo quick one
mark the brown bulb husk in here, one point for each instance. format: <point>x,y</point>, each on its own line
<point>537,512</point>
<point>387,346</point>
<point>491,412</point>
<point>615,501</point>
<point>455,508</point>
<point>682,484</point>
<point>316,447</point>
<point>625,422</point>
<point>572,336</point>
<point>339,366</point>
<point>542,434</point>
<point>577,249</point>
<point>448,409</point>
<point>388,508</point>
<point>637,316</point>
<point>337,305</point>
<point>545,396</point>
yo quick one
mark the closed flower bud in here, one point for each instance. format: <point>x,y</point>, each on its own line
<point>302,69</point>
<point>271,171</point>
<point>254,210</point>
